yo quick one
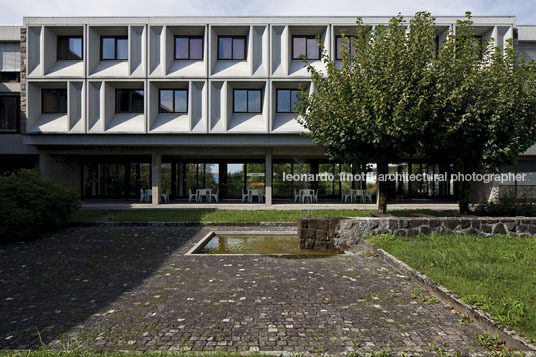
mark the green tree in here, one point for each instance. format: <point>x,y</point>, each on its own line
<point>374,106</point>
<point>483,111</point>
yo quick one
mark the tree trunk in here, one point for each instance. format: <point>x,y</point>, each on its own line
<point>463,198</point>
<point>383,170</point>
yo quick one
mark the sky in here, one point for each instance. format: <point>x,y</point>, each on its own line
<point>12,11</point>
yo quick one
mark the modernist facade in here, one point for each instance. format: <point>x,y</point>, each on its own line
<point>112,106</point>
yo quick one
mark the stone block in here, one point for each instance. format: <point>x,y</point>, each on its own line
<point>498,228</point>
<point>414,223</point>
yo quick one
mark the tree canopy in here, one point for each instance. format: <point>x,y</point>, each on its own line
<point>396,94</point>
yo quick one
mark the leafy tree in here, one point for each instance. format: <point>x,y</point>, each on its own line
<point>374,106</point>
<point>483,106</point>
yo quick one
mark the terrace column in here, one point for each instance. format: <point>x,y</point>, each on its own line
<point>156,161</point>
<point>268,175</point>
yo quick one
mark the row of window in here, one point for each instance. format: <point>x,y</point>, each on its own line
<point>174,100</point>
<point>190,48</point>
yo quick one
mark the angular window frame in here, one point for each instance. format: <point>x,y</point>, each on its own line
<point>43,111</point>
<point>245,38</point>
<point>68,38</point>
<point>290,90</point>
<point>174,107</point>
<point>306,37</point>
<point>130,111</point>
<point>116,38</point>
<point>247,100</point>
<point>190,38</point>
<point>338,56</point>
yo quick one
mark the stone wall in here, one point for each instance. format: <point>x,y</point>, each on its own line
<point>329,232</point>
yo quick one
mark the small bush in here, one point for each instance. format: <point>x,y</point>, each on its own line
<point>506,205</point>
<point>30,205</point>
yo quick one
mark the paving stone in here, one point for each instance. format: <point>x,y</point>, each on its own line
<point>133,288</point>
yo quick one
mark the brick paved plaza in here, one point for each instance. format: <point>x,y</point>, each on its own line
<point>132,288</point>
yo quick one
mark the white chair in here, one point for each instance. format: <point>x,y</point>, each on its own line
<point>191,196</point>
<point>215,195</point>
<point>347,194</point>
<point>149,195</point>
<point>256,193</point>
<point>143,198</point>
<point>315,196</point>
<point>296,195</point>
<point>359,194</point>
<point>307,195</point>
<point>165,196</point>
<point>245,196</point>
<point>368,196</point>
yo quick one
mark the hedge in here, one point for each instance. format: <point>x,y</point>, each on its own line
<point>31,205</point>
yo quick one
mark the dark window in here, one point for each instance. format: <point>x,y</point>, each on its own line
<point>114,48</point>
<point>9,113</point>
<point>286,100</point>
<point>54,101</point>
<point>9,76</point>
<point>129,101</point>
<point>305,46</point>
<point>70,48</point>
<point>340,41</point>
<point>173,101</point>
<point>188,47</point>
<point>232,47</point>
<point>247,101</point>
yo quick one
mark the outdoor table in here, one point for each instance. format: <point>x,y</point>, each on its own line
<point>204,192</point>
<point>358,193</point>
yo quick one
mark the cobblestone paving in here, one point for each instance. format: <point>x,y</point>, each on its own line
<point>134,289</point>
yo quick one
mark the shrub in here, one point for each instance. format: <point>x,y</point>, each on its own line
<point>30,205</point>
<point>506,205</point>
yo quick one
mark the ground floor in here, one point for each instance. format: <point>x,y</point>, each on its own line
<point>133,288</point>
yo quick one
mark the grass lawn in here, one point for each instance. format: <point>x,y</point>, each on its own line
<point>82,353</point>
<point>212,215</point>
<point>498,274</point>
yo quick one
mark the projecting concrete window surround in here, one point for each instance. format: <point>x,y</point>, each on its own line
<point>232,48</point>
<point>173,101</point>
<point>188,47</point>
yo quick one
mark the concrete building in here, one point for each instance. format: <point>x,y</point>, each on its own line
<point>110,107</point>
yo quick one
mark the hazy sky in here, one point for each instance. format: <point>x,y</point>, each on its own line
<point>12,11</point>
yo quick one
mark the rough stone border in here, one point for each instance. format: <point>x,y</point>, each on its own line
<point>181,224</point>
<point>510,336</point>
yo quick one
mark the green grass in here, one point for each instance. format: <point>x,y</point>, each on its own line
<point>83,353</point>
<point>219,216</point>
<point>498,274</point>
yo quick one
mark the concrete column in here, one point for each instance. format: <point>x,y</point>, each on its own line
<point>268,177</point>
<point>156,161</point>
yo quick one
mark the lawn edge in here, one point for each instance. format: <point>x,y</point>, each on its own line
<point>180,224</point>
<point>486,320</point>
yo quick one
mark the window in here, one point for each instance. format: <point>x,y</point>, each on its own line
<point>247,101</point>
<point>305,46</point>
<point>70,48</point>
<point>188,47</point>
<point>114,48</point>
<point>10,77</point>
<point>53,101</point>
<point>173,101</point>
<point>286,100</point>
<point>9,113</point>
<point>232,47</point>
<point>129,101</point>
<point>340,41</point>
